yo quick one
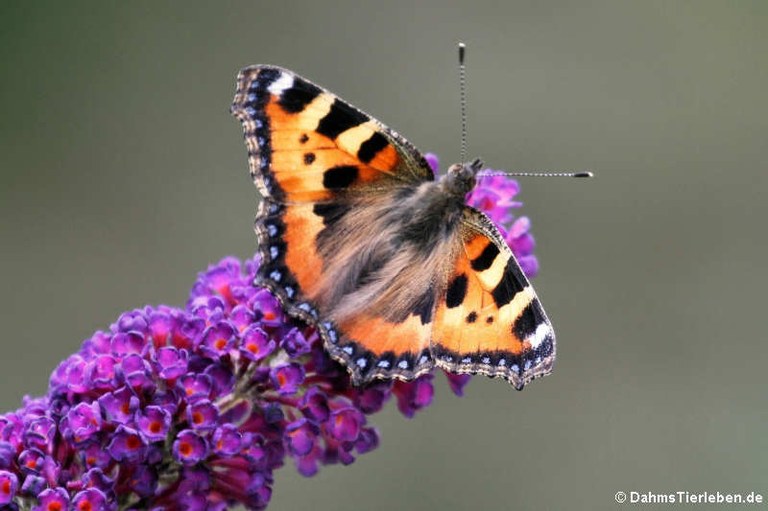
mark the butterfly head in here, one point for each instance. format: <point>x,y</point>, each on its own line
<point>460,179</point>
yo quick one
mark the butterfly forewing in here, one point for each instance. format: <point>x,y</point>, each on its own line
<point>307,145</point>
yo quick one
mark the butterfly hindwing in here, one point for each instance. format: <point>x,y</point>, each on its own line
<point>490,320</point>
<point>372,347</point>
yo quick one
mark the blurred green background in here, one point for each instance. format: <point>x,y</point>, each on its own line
<point>123,175</point>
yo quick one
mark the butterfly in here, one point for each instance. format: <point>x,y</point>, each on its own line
<point>357,238</point>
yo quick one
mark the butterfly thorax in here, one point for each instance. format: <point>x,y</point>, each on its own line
<point>460,179</point>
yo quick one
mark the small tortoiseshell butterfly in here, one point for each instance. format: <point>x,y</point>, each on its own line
<point>357,238</point>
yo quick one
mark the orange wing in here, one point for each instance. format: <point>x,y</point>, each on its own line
<point>307,145</point>
<point>490,320</point>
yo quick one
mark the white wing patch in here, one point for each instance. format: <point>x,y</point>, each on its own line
<point>283,83</point>
<point>541,333</point>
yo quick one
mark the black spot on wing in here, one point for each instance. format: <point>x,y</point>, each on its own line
<point>340,176</point>
<point>457,290</point>
<point>371,147</point>
<point>486,257</point>
<point>330,212</point>
<point>472,317</point>
<point>526,323</point>
<point>309,158</point>
<point>339,119</point>
<point>296,98</point>
<point>425,306</point>
<point>303,138</point>
<point>509,285</point>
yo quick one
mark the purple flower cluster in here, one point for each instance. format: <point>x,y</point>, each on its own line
<point>194,408</point>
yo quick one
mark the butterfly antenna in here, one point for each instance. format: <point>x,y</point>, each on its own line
<point>542,174</point>
<point>463,101</point>
<point>537,174</point>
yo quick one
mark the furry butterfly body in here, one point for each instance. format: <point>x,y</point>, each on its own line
<point>358,239</point>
